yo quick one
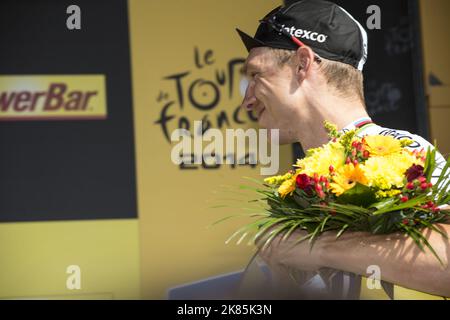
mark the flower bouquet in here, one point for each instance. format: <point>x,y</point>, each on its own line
<point>373,183</point>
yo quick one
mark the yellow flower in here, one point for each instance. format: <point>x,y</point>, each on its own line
<point>388,171</point>
<point>382,145</point>
<point>346,178</point>
<point>406,142</point>
<point>278,180</point>
<point>287,187</point>
<point>318,160</point>
<point>380,194</point>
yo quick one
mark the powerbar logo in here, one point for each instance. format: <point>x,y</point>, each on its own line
<point>305,34</point>
<point>55,97</point>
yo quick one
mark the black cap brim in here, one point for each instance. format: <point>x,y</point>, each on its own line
<point>249,41</point>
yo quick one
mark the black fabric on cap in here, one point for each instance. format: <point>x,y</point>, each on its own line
<point>249,41</point>
<point>324,26</point>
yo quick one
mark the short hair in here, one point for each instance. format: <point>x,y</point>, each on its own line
<point>344,78</point>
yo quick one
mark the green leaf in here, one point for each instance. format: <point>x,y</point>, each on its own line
<point>432,227</point>
<point>430,163</point>
<point>291,230</point>
<point>443,176</point>
<point>342,231</point>
<point>410,232</point>
<point>422,239</point>
<point>272,235</point>
<point>406,205</point>
<point>359,195</point>
<point>351,209</point>
<point>268,225</point>
<point>248,227</point>
<point>385,223</point>
<point>253,180</point>
<point>302,202</point>
<point>384,203</point>
<point>301,239</point>
<point>443,193</point>
<point>223,219</point>
<point>324,222</point>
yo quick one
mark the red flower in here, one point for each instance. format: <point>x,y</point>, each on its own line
<point>422,179</point>
<point>359,146</point>
<point>410,186</point>
<point>304,183</point>
<point>436,209</point>
<point>316,178</point>
<point>404,199</point>
<point>414,172</point>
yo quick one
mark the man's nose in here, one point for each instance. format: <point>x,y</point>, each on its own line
<point>249,99</point>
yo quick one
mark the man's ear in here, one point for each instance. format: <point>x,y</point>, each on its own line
<point>304,60</point>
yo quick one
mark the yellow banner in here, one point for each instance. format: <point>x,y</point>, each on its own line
<point>186,63</point>
<point>52,97</point>
<point>36,259</point>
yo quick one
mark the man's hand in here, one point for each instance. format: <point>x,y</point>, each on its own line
<point>288,253</point>
<point>400,260</point>
<point>291,264</point>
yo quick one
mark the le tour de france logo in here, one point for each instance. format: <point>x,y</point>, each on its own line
<point>203,101</point>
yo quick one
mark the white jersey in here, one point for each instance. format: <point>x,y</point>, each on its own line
<point>418,144</point>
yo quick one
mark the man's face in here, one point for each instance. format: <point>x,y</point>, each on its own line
<point>272,92</point>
